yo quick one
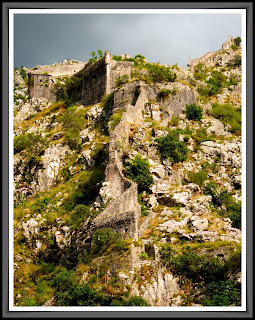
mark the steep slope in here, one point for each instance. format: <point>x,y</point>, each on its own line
<point>135,200</point>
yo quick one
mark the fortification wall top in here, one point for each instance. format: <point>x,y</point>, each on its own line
<point>209,56</point>
<point>59,69</point>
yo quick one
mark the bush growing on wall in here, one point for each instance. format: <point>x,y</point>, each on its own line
<point>103,238</point>
<point>94,57</point>
<point>172,148</point>
<point>163,93</point>
<point>138,171</point>
<point>122,80</point>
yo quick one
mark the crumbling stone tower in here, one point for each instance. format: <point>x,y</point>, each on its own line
<point>227,45</point>
<point>100,78</point>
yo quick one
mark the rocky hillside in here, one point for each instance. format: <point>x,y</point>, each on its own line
<point>136,200</point>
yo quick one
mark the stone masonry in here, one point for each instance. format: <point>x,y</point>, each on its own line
<point>210,55</point>
<point>100,78</point>
<point>43,78</point>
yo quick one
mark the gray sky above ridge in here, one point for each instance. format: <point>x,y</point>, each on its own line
<point>44,39</point>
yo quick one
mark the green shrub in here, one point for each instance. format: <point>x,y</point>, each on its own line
<point>24,74</point>
<point>69,89</point>
<point>94,57</point>
<point>122,80</point>
<point>114,120</point>
<point>194,112</point>
<point>222,293</point>
<point>198,177</point>
<point>158,73</point>
<point>78,216</point>
<point>138,171</point>
<point>86,189</point>
<point>108,102</point>
<point>144,256</point>
<point>175,121</point>
<point>166,253</point>
<point>199,67</point>
<point>72,138</point>
<point>83,295</point>
<point>237,41</point>
<point>214,84</point>
<point>222,197</point>
<point>227,114</point>
<point>64,279</point>
<point>234,47</point>
<point>201,135</point>
<point>33,143</point>
<point>197,267</point>
<point>73,121</point>
<point>234,214</point>
<point>163,93</point>
<point>172,148</point>
<point>103,238</point>
<point>200,76</point>
<point>133,301</point>
<point>237,61</point>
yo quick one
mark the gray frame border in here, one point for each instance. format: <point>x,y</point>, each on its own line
<point>5,163</point>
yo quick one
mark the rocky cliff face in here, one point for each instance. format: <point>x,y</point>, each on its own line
<point>137,195</point>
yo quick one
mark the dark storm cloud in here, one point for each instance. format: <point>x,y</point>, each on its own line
<point>168,38</point>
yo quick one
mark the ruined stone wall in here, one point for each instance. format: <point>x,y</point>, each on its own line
<point>43,78</point>
<point>209,57</point>
<point>100,78</point>
<point>94,82</point>
<point>41,86</point>
<point>117,69</point>
<point>123,212</point>
<point>193,62</point>
<point>60,69</point>
<point>227,45</point>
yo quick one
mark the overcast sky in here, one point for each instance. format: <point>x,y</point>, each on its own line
<point>41,39</point>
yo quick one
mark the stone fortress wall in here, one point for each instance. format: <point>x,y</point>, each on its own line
<point>100,78</point>
<point>209,56</point>
<point>123,211</point>
<point>43,78</point>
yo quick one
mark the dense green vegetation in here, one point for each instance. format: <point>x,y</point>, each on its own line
<point>172,148</point>
<point>198,177</point>
<point>194,112</point>
<point>69,89</point>
<point>138,171</point>
<point>222,197</point>
<point>114,120</point>
<point>223,293</point>
<point>121,80</point>
<point>227,114</point>
<point>95,56</point>
<point>73,122</point>
<point>208,270</point>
